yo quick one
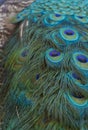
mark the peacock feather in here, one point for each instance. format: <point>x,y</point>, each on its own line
<point>46,67</point>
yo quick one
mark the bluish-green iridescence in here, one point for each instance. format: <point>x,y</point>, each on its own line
<point>48,67</point>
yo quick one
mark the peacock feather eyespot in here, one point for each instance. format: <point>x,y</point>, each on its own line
<point>69,34</point>
<point>80,60</point>
<point>54,53</point>
<point>78,81</point>
<point>77,100</point>
<point>75,76</point>
<point>57,17</point>
<point>81,19</point>
<point>23,54</point>
<point>19,58</point>
<point>18,16</point>
<point>24,99</point>
<point>53,57</point>
<point>53,19</point>
<point>77,95</point>
<point>37,76</point>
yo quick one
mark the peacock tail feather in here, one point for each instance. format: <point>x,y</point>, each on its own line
<point>46,66</point>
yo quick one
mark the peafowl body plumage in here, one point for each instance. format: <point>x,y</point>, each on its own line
<point>9,8</point>
<point>46,67</point>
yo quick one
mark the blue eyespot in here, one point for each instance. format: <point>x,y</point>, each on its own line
<point>81,19</point>
<point>53,19</point>
<point>69,34</point>
<point>80,61</point>
<point>53,57</point>
<point>78,81</point>
<point>77,100</point>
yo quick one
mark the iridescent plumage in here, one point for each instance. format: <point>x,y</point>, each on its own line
<point>47,67</point>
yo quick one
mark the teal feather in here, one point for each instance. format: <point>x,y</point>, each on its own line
<point>47,68</point>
